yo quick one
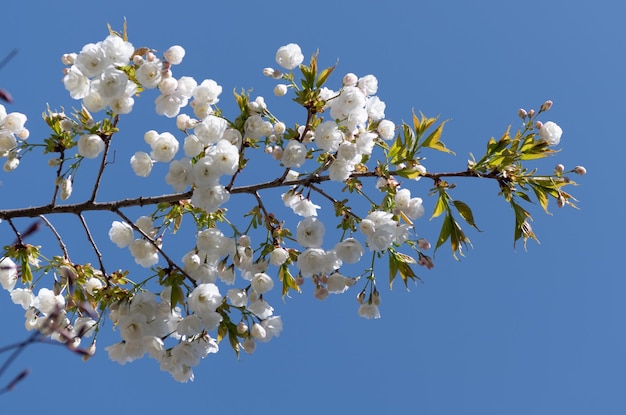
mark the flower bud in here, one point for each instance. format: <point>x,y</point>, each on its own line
<point>242,327</point>
<point>279,128</point>
<point>183,122</point>
<point>244,240</point>
<point>68,58</point>
<point>360,297</point>
<point>89,352</point>
<point>23,134</point>
<point>423,244</point>
<point>277,153</point>
<point>375,298</point>
<point>299,280</point>
<point>538,125</point>
<point>268,72</point>
<point>531,112</point>
<point>559,169</point>
<point>66,125</point>
<point>280,90</point>
<point>546,106</point>
<point>66,187</point>
<point>522,113</point>
<point>174,55</point>
<point>425,261</point>
<point>350,79</point>
<point>580,170</point>
<point>321,292</point>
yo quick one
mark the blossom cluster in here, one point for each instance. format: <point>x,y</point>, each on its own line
<point>11,130</point>
<point>46,311</point>
<point>173,315</point>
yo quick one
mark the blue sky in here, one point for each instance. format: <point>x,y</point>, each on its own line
<point>501,331</point>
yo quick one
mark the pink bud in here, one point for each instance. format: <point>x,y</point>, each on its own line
<point>531,112</point>
<point>425,261</point>
<point>580,170</point>
<point>423,244</point>
<point>559,169</point>
<point>360,298</point>
<point>522,113</point>
<point>375,298</point>
<point>538,125</point>
<point>321,292</point>
<point>546,105</point>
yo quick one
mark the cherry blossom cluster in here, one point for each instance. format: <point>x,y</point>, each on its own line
<point>11,130</point>
<point>46,311</point>
<point>221,284</point>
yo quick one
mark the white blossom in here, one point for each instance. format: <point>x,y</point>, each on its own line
<point>144,252</point>
<point>210,198</point>
<point>164,148</point>
<point>369,310</point>
<point>262,283</point>
<point>279,256</point>
<point>179,174</point>
<point>48,302</point>
<point>261,309</point>
<point>204,298</point>
<point>294,154</point>
<point>90,145</point>
<point>289,56</point>
<point>310,232</point>
<point>8,273</point>
<point>121,234</point>
<point>174,55</point>
<point>551,133</point>
<point>149,74</point>
<point>141,164</point>
<point>349,250</point>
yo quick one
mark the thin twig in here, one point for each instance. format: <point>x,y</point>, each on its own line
<point>18,235</point>
<point>103,162</point>
<point>92,242</point>
<point>56,234</point>
<point>170,263</point>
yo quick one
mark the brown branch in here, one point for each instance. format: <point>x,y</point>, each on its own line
<point>176,197</point>
<point>170,263</point>
<point>103,162</point>
<point>56,234</point>
<point>93,243</point>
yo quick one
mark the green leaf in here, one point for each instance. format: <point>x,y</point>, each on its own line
<point>289,282</point>
<point>323,76</point>
<point>222,330</point>
<point>466,213</point>
<point>399,262</point>
<point>441,205</point>
<point>422,125</point>
<point>433,140</point>
<point>444,234</point>
<point>177,296</point>
<point>393,267</point>
<point>233,339</point>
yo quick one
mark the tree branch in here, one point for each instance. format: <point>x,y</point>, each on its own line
<point>78,208</point>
